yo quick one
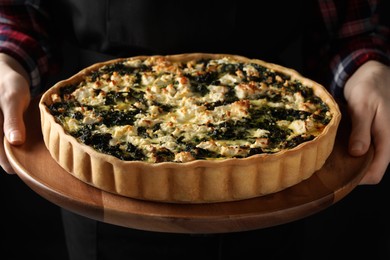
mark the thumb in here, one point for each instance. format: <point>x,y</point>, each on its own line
<point>360,138</point>
<point>14,127</point>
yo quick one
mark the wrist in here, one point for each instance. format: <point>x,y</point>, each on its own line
<point>9,62</point>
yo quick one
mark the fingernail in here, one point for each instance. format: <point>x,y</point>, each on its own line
<point>357,147</point>
<point>15,136</point>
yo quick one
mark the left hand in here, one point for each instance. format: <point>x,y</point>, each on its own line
<point>367,93</point>
<point>14,100</point>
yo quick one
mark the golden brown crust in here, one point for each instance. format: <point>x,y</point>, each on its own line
<point>198,181</point>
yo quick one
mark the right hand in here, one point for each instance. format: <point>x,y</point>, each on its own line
<point>367,93</point>
<point>14,100</point>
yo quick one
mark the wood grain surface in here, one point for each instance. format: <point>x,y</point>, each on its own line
<point>34,165</point>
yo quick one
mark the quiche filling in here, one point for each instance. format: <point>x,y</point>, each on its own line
<point>155,110</point>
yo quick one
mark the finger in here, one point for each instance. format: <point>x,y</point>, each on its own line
<point>378,166</point>
<point>360,137</point>
<point>380,162</point>
<point>14,127</point>
<point>4,163</point>
<point>14,103</point>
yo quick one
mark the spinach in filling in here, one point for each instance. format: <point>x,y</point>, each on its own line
<point>113,105</point>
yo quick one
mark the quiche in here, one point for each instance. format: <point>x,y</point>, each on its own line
<point>189,128</point>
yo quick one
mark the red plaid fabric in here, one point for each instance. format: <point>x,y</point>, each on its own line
<point>23,35</point>
<point>351,33</point>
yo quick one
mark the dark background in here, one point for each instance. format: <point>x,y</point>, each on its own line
<point>30,226</point>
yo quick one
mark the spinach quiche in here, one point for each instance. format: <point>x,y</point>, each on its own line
<point>189,128</point>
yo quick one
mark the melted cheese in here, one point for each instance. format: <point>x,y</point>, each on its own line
<point>156,110</point>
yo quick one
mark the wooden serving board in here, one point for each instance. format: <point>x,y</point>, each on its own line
<point>35,166</point>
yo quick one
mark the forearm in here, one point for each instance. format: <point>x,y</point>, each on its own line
<point>343,36</point>
<point>344,67</point>
<point>11,63</point>
<point>23,37</point>
<point>361,36</point>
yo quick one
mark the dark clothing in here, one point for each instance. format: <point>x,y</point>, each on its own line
<point>108,29</point>
<point>113,29</point>
<point>145,27</point>
<point>91,240</point>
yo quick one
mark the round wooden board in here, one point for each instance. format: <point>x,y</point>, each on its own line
<point>35,166</point>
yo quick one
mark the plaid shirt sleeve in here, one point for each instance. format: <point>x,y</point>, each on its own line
<point>357,34</point>
<point>353,28</point>
<point>23,36</point>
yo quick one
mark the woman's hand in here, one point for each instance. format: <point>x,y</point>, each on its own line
<point>367,93</point>
<point>14,100</point>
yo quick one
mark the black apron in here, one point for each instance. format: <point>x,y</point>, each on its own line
<point>93,31</point>
<point>105,29</point>
<point>96,30</point>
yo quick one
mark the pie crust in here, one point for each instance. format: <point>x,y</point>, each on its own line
<point>199,181</point>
